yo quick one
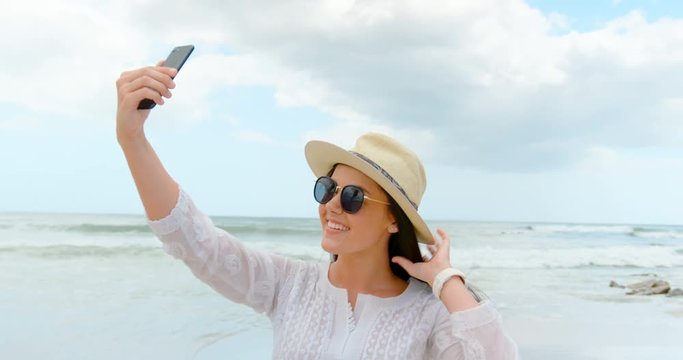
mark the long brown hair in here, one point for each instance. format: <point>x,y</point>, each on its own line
<point>404,242</point>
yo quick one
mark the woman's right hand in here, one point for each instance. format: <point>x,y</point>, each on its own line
<point>152,82</point>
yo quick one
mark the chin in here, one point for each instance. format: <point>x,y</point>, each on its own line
<point>328,247</point>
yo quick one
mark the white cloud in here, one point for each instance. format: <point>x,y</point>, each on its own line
<point>61,57</point>
<point>668,121</point>
<point>203,77</point>
<point>490,79</point>
<point>422,141</point>
<point>490,82</point>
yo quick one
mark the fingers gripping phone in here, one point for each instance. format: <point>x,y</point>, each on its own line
<point>175,60</point>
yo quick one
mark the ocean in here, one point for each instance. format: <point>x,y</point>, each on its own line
<point>101,287</point>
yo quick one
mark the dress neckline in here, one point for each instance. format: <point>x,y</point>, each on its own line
<point>341,293</point>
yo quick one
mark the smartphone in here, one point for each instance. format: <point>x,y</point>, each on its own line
<point>175,59</point>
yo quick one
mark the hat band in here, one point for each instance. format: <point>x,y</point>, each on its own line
<point>386,175</point>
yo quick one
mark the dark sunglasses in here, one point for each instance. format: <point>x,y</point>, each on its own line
<point>351,197</point>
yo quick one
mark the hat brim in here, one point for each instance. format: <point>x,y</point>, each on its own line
<point>322,156</point>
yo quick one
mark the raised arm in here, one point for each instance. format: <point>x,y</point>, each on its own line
<point>243,275</point>
<point>157,190</point>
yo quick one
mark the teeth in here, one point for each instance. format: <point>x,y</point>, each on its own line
<point>336,226</point>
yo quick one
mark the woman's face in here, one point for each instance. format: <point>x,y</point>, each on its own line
<point>365,230</point>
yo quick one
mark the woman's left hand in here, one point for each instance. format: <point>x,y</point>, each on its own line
<point>426,271</point>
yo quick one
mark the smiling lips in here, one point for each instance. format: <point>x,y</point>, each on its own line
<point>336,226</point>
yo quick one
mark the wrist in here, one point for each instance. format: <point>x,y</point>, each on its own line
<point>444,276</point>
<point>128,140</point>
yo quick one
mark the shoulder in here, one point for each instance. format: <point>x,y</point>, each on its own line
<point>301,276</point>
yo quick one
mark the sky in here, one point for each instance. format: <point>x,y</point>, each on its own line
<point>534,111</point>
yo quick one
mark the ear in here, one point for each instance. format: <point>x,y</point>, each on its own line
<point>392,228</point>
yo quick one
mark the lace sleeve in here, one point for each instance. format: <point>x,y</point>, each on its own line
<point>474,334</point>
<point>242,275</point>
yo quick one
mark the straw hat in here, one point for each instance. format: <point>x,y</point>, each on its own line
<point>391,165</point>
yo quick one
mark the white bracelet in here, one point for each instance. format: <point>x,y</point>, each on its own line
<point>442,277</point>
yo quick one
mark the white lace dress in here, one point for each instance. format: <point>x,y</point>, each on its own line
<point>311,318</point>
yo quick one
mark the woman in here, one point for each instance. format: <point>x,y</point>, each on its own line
<point>373,300</point>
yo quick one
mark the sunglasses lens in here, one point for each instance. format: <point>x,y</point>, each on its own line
<point>352,199</point>
<point>351,196</point>
<point>324,189</point>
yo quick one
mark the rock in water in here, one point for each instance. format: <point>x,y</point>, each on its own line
<point>615,284</point>
<point>649,287</point>
<point>675,292</point>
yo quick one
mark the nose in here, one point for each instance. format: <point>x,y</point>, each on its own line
<point>334,205</point>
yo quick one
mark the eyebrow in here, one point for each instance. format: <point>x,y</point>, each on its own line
<point>365,190</point>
